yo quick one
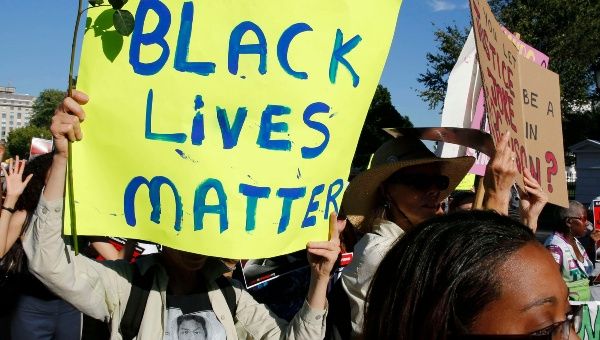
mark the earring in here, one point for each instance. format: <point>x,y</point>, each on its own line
<point>386,205</point>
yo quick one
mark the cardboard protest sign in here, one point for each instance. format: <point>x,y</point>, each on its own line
<point>480,120</point>
<point>464,101</point>
<point>524,50</point>
<point>527,51</point>
<point>225,127</point>
<point>543,130</point>
<point>508,79</point>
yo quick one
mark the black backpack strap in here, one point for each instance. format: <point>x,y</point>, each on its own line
<point>136,304</point>
<point>227,289</point>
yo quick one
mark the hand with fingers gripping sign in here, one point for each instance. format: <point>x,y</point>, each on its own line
<point>65,128</point>
<point>66,121</point>
<point>500,176</point>
<point>533,200</point>
<point>322,257</point>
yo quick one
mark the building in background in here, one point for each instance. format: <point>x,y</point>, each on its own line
<point>588,170</point>
<point>15,110</point>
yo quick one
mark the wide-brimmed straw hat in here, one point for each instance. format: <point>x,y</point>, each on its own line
<point>360,198</point>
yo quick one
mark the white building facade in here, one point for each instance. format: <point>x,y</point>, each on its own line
<point>15,110</point>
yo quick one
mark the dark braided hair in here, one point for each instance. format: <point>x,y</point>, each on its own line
<point>438,277</point>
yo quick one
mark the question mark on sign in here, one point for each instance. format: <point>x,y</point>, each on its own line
<point>552,170</point>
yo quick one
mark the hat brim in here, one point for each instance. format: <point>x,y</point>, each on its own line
<point>360,196</point>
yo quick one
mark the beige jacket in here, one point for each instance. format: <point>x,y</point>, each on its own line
<point>356,277</point>
<point>101,290</point>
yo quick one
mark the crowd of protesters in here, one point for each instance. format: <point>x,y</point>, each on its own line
<point>428,264</point>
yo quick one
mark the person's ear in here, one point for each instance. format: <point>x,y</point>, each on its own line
<point>569,222</point>
<point>387,197</point>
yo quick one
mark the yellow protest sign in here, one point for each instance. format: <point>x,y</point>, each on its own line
<point>467,183</point>
<point>534,122</point>
<point>225,127</point>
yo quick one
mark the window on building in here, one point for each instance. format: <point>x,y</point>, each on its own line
<point>3,115</point>
<point>18,115</point>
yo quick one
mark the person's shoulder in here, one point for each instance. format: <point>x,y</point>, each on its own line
<point>552,240</point>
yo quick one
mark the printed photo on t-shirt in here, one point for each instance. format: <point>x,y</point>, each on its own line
<point>194,326</point>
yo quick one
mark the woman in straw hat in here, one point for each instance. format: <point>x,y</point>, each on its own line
<point>403,187</point>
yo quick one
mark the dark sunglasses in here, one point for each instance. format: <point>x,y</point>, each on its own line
<point>557,331</point>
<point>420,181</point>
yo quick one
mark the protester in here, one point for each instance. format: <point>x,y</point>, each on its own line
<point>403,187</point>
<point>467,274</point>
<point>38,313</point>
<point>532,200</point>
<point>589,241</point>
<point>575,265</point>
<point>102,248</point>
<point>183,283</point>
<point>400,190</point>
<point>461,201</point>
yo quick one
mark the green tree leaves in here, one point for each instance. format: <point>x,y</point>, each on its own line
<point>112,44</point>
<point>44,106</point>
<point>381,114</point>
<point>19,140</point>
<point>117,4</point>
<point>567,31</point>
<point>123,21</point>
<point>435,79</point>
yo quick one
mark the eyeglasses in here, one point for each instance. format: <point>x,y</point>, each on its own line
<point>583,219</point>
<point>420,181</point>
<point>562,329</point>
<point>557,331</point>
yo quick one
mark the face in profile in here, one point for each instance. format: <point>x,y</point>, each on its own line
<point>470,275</point>
<point>533,298</point>
<point>415,192</point>
<point>578,223</point>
